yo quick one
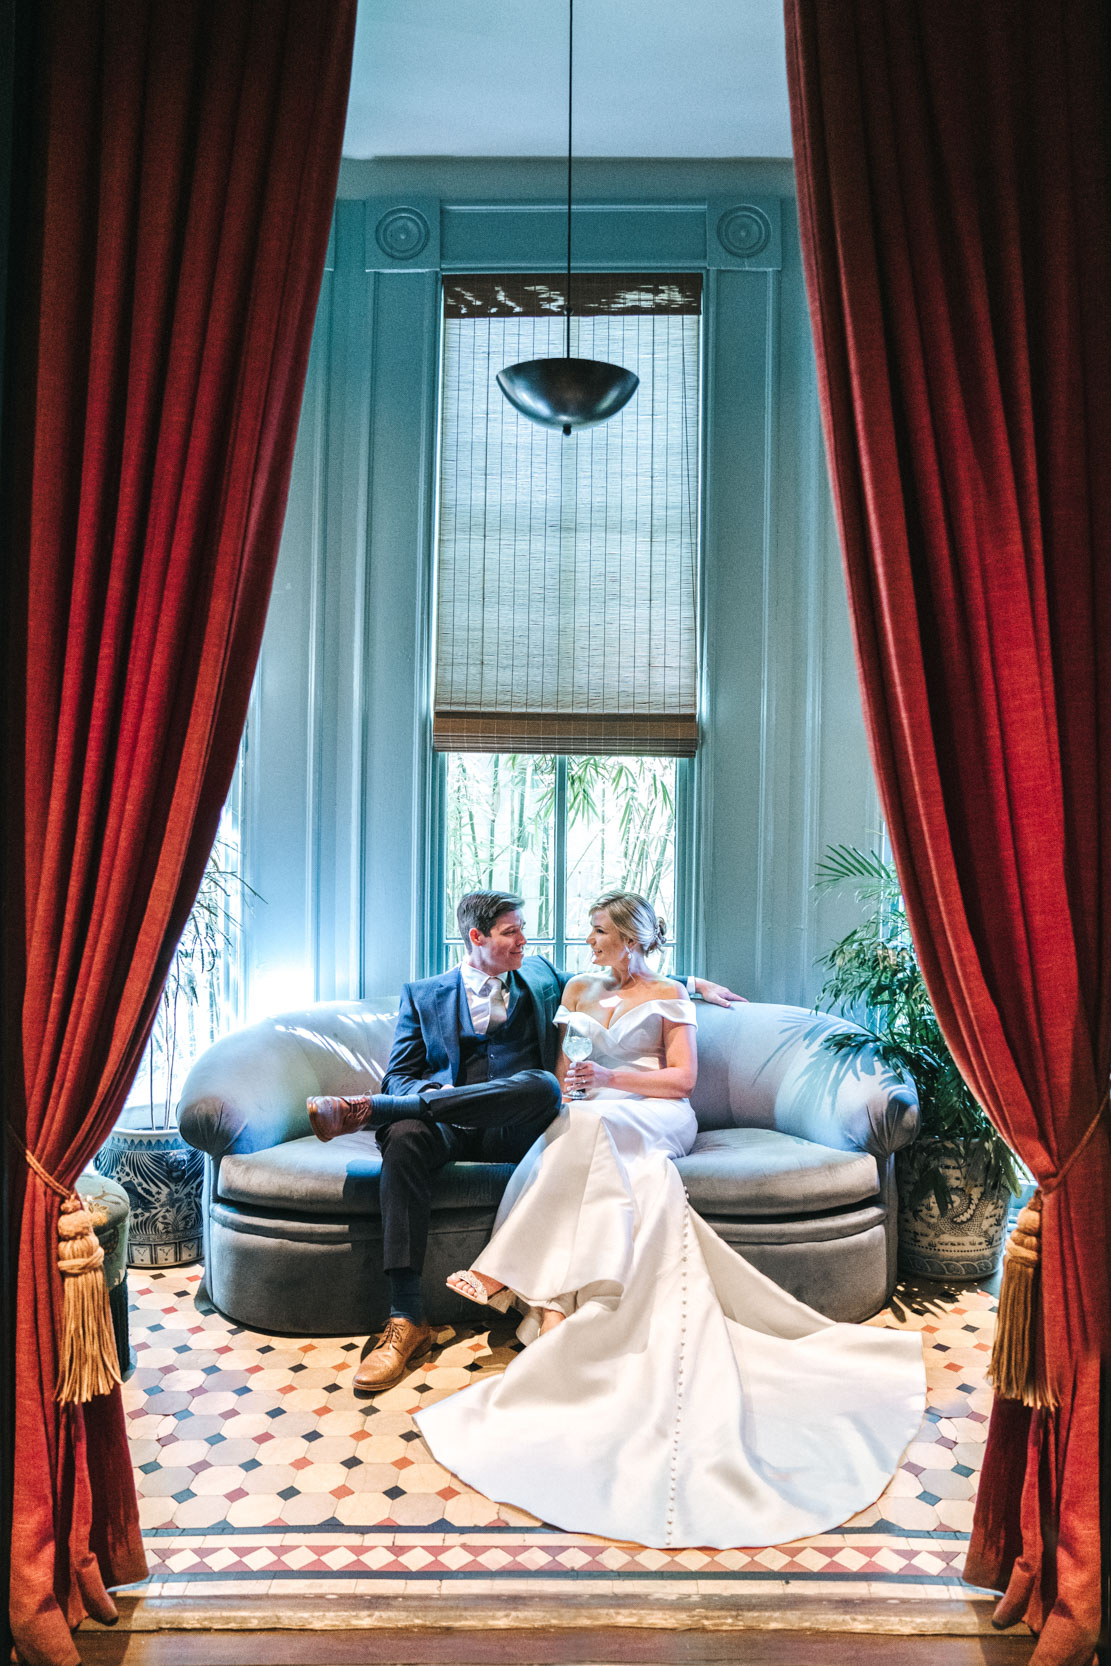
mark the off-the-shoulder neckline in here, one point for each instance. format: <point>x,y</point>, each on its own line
<point>640,1006</point>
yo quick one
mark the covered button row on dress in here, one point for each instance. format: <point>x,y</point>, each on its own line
<point>679,1381</point>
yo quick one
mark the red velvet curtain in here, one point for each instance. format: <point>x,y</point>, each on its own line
<point>954,176</point>
<point>187,157</point>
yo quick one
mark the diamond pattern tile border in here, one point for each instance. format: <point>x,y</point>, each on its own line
<point>258,1471</point>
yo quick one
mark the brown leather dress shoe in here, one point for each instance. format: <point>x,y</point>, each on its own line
<point>400,1343</point>
<point>329,1117</point>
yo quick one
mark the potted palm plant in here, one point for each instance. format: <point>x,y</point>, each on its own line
<point>145,1152</point>
<point>956,1178</point>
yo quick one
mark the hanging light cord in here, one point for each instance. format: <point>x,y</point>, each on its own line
<point>570,73</point>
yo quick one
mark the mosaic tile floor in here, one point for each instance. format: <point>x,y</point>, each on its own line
<point>258,1471</point>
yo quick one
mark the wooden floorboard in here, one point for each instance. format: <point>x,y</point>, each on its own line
<point>607,1646</point>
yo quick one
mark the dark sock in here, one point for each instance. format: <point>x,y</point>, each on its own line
<point>406,1295</point>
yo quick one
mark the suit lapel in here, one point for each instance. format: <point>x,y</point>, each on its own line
<point>543,991</point>
<point>514,989</point>
<point>452,1012</point>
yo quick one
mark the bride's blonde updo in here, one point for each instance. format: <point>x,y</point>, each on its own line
<point>635,918</point>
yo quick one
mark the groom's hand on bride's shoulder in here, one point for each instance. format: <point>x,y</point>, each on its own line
<point>717,994</point>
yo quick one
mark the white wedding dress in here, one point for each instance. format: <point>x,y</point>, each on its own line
<point>687,1399</point>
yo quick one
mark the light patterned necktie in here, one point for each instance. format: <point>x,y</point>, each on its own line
<point>495,989</point>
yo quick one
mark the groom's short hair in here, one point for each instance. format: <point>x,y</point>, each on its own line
<point>480,909</point>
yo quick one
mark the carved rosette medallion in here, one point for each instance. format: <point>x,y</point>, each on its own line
<point>744,232</point>
<point>402,233</point>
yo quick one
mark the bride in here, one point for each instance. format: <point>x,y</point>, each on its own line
<point>674,1395</point>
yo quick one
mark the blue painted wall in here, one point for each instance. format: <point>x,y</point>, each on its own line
<point>338,815</point>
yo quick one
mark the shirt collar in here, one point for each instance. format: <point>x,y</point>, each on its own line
<point>475,980</point>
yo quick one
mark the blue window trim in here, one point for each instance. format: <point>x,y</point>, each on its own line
<point>442,236</point>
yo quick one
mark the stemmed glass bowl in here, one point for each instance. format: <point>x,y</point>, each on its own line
<point>577,1047</point>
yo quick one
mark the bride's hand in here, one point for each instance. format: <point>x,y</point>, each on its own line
<point>587,1075</point>
<point>717,994</point>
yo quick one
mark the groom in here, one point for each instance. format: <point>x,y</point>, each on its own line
<point>470,1078</point>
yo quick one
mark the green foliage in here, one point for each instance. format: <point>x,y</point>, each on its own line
<point>873,977</point>
<point>191,1012</point>
<point>502,810</point>
<point>499,810</point>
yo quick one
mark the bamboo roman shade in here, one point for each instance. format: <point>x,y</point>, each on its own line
<point>567,567</point>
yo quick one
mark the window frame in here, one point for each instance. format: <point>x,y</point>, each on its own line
<point>438,940</point>
<point>430,938</point>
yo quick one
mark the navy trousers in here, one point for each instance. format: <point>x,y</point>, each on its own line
<point>483,1122</point>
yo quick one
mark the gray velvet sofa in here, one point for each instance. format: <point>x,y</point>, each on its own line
<point>793,1165</point>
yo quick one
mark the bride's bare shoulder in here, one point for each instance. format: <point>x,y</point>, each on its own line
<point>666,989</point>
<point>585,990</point>
<point>581,991</point>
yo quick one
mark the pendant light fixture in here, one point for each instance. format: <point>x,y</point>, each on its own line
<point>568,393</point>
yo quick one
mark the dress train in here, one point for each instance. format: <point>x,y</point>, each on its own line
<point>686,1399</point>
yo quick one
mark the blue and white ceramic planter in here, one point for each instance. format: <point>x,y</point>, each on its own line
<point>965,1243</point>
<point>162,1177</point>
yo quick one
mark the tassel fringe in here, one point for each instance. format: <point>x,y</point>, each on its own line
<point>1017,1369</point>
<point>88,1364</point>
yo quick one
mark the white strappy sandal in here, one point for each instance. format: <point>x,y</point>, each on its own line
<point>465,1283</point>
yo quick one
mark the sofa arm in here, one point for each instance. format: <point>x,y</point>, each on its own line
<point>247,1092</point>
<point>849,1101</point>
<point>889,1122</point>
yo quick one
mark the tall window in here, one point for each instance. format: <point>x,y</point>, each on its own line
<point>559,830</point>
<point>566,626</point>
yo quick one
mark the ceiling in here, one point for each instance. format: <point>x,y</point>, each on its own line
<point>652,78</point>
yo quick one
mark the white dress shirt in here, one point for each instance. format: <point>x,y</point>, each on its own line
<point>479,987</point>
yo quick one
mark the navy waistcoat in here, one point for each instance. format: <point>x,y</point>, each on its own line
<point>513,1046</point>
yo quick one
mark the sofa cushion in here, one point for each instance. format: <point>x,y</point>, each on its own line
<point>759,1171</point>
<point>731,1171</point>
<point>341,1178</point>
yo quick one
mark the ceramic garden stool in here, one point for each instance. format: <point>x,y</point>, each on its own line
<point>108,1204</point>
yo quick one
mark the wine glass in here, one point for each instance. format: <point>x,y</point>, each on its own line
<point>577,1047</point>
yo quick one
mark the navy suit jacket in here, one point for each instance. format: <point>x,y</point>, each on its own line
<point>433,1016</point>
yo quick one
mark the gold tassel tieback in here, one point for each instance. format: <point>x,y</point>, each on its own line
<point>1017,1369</point>
<point>88,1362</point>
